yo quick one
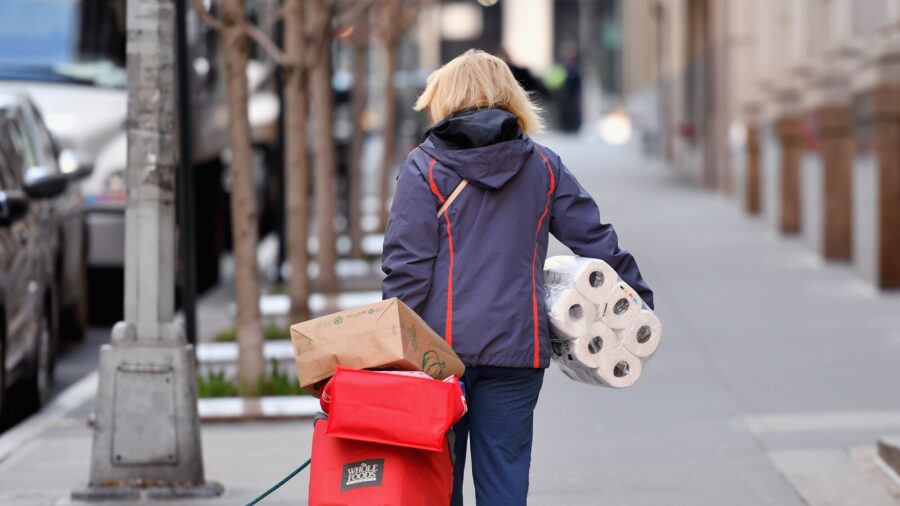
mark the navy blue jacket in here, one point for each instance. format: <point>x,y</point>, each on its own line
<point>476,274</point>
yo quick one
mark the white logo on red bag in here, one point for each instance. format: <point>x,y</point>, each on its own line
<point>366,473</point>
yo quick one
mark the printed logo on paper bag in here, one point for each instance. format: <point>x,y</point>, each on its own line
<point>432,364</point>
<point>366,473</point>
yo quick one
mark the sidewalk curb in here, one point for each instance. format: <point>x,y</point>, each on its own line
<point>887,470</point>
<point>213,354</point>
<point>50,416</point>
<point>237,409</point>
<point>228,409</point>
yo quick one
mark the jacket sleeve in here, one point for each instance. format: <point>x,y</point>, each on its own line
<point>575,221</point>
<point>410,240</point>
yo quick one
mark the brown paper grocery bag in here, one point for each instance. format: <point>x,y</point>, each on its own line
<point>385,335</point>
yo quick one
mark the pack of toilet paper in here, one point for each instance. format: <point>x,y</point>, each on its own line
<point>601,331</point>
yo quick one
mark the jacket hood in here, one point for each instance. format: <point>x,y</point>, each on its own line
<point>484,146</point>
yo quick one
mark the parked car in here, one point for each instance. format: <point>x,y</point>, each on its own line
<point>69,241</point>
<point>29,231</point>
<point>69,56</point>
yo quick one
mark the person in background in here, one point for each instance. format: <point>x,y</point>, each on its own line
<point>570,94</point>
<point>475,272</point>
<point>531,84</point>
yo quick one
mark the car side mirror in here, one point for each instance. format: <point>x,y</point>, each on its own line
<point>13,207</point>
<point>42,183</point>
<point>74,165</point>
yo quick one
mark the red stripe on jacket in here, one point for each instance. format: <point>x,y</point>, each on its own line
<point>448,326</point>
<point>534,302</point>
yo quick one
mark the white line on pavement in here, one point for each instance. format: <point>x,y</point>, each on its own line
<point>58,409</point>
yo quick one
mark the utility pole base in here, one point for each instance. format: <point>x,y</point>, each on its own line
<point>146,436</point>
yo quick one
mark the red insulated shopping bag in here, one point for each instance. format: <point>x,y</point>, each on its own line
<point>345,472</point>
<point>392,408</point>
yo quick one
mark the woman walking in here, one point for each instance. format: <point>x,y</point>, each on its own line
<point>473,269</point>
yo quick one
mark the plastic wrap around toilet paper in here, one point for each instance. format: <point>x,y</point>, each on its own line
<point>594,279</point>
<point>595,342</point>
<point>619,368</point>
<point>622,307</point>
<point>643,335</point>
<point>601,330</point>
<point>568,313</point>
<point>563,354</point>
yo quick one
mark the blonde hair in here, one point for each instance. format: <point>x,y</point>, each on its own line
<point>477,79</point>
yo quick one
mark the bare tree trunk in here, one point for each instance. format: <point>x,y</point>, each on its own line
<point>395,19</point>
<point>297,158</point>
<point>390,127</point>
<point>358,109</point>
<point>243,205</point>
<point>325,194</point>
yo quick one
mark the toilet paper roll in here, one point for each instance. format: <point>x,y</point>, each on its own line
<point>558,262</point>
<point>619,369</point>
<point>597,340</point>
<point>622,307</point>
<point>568,313</point>
<point>562,354</point>
<point>593,278</point>
<point>642,337</point>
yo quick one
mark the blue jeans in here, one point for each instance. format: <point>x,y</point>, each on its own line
<point>499,424</point>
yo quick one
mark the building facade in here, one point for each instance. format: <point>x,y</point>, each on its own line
<point>791,106</point>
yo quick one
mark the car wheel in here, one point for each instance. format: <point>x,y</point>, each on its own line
<point>74,317</point>
<point>42,375</point>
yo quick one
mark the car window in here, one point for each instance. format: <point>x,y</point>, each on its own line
<point>25,142</point>
<point>45,145</point>
<point>11,147</point>
<point>4,161</point>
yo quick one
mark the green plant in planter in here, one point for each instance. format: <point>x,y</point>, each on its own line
<point>271,383</point>
<point>270,333</point>
<point>215,384</point>
<point>276,382</point>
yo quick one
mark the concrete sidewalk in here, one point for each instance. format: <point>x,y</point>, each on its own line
<point>776,375</point>
<point>246,458</point>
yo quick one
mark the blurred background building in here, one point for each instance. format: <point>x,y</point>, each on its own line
<point>551,39</point>
<point>789,106</point>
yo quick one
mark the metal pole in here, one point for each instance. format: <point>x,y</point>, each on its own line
<point>278,156</point>
<point>186,219</point>
<point>146,439</point>
<point>659,11</point>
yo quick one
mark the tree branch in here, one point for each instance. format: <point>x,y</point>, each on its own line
<point>277,18</point>
<point>208,18</point>
<point>266,44</point>
<point>397,17</point>
<point>410,14</point>
<point>357,9</point>
<point>319,39</point>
